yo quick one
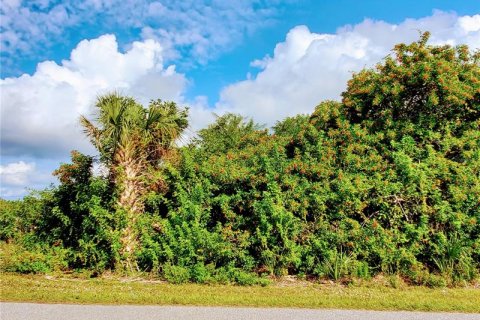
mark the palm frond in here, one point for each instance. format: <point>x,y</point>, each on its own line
<point>91,131</point>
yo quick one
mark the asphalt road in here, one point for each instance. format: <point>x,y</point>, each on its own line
<point>31,311</point>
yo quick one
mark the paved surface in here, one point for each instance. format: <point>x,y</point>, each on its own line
<point>31,311</point>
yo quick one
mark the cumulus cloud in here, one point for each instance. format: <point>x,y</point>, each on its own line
<point>16,176</point>
<point>16,173</point>
<point>309,67</point>
<point>40,112</point>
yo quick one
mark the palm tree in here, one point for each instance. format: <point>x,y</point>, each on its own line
<point>133,141</point>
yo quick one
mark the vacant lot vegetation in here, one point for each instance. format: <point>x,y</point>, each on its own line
<point>385,181</point>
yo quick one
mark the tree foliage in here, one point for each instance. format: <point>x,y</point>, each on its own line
<point>419,82</point>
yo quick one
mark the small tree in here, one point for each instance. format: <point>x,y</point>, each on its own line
<point>77,215</point>
<point>132,142</point>
<point>420,83</point>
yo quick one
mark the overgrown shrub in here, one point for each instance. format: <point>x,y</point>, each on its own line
<point>15,258</point>
<point>176,274</point>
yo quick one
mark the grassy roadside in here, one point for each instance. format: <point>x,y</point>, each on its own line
<point>109,291</point>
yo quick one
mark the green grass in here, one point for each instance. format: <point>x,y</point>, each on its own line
<point>115,291</point>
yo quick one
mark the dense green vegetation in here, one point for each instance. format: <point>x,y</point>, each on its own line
<point>385,181</point>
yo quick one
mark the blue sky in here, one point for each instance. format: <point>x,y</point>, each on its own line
<point>264,59</point>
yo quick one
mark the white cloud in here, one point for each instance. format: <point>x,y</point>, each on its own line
<point>18,177</point>
<point>26,26</point>
<point>16,173</point>
<point>39,114</point>
<point>308,67</point>
<point>468,24</point>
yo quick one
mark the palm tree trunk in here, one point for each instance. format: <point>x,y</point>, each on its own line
<point>130,194</point>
